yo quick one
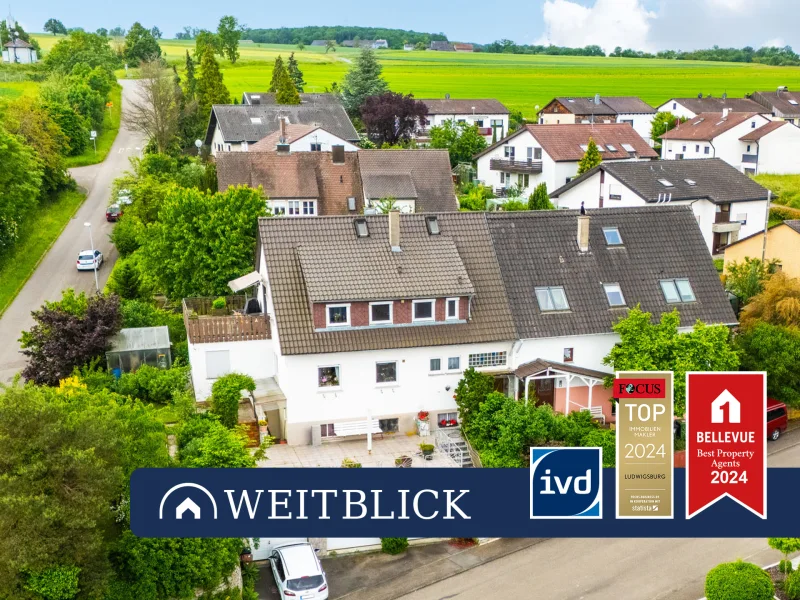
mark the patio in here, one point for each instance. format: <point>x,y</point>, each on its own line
<point>384,451</point>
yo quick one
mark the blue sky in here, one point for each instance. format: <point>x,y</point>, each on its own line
<point>642,24</point>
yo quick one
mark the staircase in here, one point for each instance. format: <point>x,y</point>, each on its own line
<point>450,441</point>
<point>251,430</point>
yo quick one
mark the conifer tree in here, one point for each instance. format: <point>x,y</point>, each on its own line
<point>276,73</point>
<point>295,73</point>
<point>362,80</point>
<point>590,159</point>
<point>286,93</point>
<point>210,87</point>
<point>539,199</point>
<point>190,85</point>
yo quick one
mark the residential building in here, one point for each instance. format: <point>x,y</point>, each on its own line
<point>727,204</point>
<point>622,109</point>
<point>463,47</point>
<point>19,51</point>
<point>442,46</point>
<point>782,104</point>
<point>550,154</point>
<point>235,127</point>
<point>783,246</point>
<point>408,47</point>
<point>374,44</point>
<point>689,108</point>
<point>748,141</point>
<point>301,138</point>
<point>322,43</point>
<point>488,115</point>
<point>254,98</point>
<point>377,317</point>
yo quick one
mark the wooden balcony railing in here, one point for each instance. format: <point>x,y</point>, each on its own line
<point>515,166</point>
<point>205,324</point>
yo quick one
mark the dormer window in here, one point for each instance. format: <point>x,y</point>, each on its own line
<point>551,299</point>
<point>614,294</point>
<point>677,290</point>
<point>451,309</point>
<point>338,315</point>
<point>432,223</point>
<point>380,313</point>
<point>613,238</point>
<point>423,310</point>
<point>362,230</point>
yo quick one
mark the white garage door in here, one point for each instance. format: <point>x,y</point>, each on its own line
<point>351,543</point>
<point>267,545</point>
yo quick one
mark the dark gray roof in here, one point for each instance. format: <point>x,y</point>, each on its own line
<point>246,123</point>
<point>539,365</point>
<point>319,43</point>
<point>539,248</point>
<point>794,224</point>
<point>627,105</point>
<point>585,106</point>
<point>450,106</point>
<point>443,46</point>
<point>389,185</point>
<point>305,98</point>
<point>712,104</point>
<point>784,104</point>
<point>713,178</point>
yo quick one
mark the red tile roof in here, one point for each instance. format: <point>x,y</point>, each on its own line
<point>563,142</point>
<point>756,134</point>
<point>707,126</point>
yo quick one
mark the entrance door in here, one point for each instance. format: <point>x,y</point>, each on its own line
<point>501,384</point>
<point>544,392</point>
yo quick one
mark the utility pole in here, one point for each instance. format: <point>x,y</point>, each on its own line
<point>766,224</point>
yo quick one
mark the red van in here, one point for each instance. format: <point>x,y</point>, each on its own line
<point>776,418</point>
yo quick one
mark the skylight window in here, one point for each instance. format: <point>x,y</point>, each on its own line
<point>570,100</point>
<point>611,148</point>
<point>628,148</point>
<point>677,290</point>
<point>551,299</point>
<point>690,181</point>
<point>793,102</point>
<point>696,123</point>
<point>255,120</point>
<point>665,183</point>
<point>361,228</point>
<point>600,148</point>
<point>584,147</point>
<point>614,294</point>
<point>613,238</point>
<point>432,223</point>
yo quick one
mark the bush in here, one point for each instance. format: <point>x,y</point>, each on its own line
<point>349,463</point>
<point>151,384</point>
<point>127,234</point>
<point>394,545</point>
<point>138,313</point>
<point>785,566</point>
<point>218,303</point>
<point>738,581</point>
<point>56,583</point>
<point>226,394</point>
<point>791,585</point>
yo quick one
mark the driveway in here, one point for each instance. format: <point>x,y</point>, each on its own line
<point>57,270</point>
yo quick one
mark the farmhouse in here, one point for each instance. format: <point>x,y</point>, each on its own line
<point>782,104</point>
<point>19,51</point>
<point>463,47</point>
<point>727,204</point>
<point>623,109</point>
<point>488,115</point>
<point>550,154</point>
<point>689,108</point>
<point>379,316</point>
<point>783,246</point>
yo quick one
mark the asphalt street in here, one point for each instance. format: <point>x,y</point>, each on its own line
<point>57,270</point>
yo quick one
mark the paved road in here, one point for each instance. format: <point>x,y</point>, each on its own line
<point>600,569</point>
<point>57,271</point>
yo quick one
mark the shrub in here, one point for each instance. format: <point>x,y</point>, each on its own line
<point>738,581</point>
<point>349,463</point>
<point>791,585</point>
<point>218,303</point>
<point>226,394</point>
<point>126,235</point>
<point>785,566</point>
<point>394,545</point>
<point>56,583</point>
<point>151,384</point>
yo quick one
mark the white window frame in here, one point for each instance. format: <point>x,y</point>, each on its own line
<point>447,315</point>
<point>435,371</point>
<point>279,205</point>
<point>327,388</point>
<point>414,318</point>
<point>612,230</point>
<point>299,208</point>
<point>391,313</point>
<point>328,322</point>
<point>614,287</point>
<point>551,297</point>
<point>457,369</point>
<point>396,374</point>
<point>681,296</point>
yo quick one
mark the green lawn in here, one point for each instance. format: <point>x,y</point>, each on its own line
<point>9,90</point>
<point>106,136</point>
<point>37,234</point>
<point>785,188</point>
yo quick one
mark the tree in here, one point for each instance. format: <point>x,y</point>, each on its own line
<point>155,32</point>
<point>74,126</point>
<point>747,279</point>
<point>300,45</point>
<point>776,350</point>
<point>210,87</point>
<point>661,124</point>
<point>81,48</point>
<point>392,117</point>
<point>102,31</point>
<point>55,27</point>
<point>330,45</point>
<point>156,111</point>
<point>785,546</point>
<point>68,334</point>
<point>648,346</point>
<point>190,83</point>
<point>295,73</point>
<point>140,45</point>
<point>286,93</point>
<point>462,141</point>
<point>738,581</point>
<point>20,181</point>
<point>124,280</point>
<point>516,120</point>
<point>228,34</point>
<point>470,392</point>
<point>591,158</point>
<point>226,393</point>
<point>778,303</point>
<point>539,199</point>
<point>277,74</point>
<point>362,79</point>
<point>205,40</point>
<point>202,241</point>
<point>116,32</point>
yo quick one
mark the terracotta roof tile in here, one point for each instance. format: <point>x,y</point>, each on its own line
<point>707,126</point>
<point>444,106</point>
<point>563,142</point>
<point>715,104</point>
<point>756,134</point>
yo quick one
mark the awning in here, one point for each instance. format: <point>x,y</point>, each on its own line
<point>245,281</point>
<point>542,366</point>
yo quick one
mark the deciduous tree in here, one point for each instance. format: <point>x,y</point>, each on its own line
<point>362,79</point>
<point>203,40</point>
<point>20,181</point>
<point>661,124</point>
<point>55,27</point>
<point>81,48</point>
<point>776,350</point>
<point>156,111</point>
<point>461,140</point>
<point>140,45</point>
<point>747,278</point>
<point>778,303</point>
<point>228,34</point>
<point>392,117</point>
<point>591,158</point>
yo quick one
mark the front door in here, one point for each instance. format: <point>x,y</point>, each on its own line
<point>501,384</point>
<point>544,392</point>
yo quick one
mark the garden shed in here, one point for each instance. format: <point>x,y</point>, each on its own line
<point>137,346</point>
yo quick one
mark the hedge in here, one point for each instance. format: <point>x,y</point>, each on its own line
<point>738,581</point>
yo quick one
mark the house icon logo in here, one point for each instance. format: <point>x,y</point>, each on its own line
<point>734,408</point>
<point>187,504</point>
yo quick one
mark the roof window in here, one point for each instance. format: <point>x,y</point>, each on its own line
<point>584,147</point>
<point>614,294</point>
<point>611,148</point>
<point>255,120</point>
<point>793,102</point>
<point>432,223</point>
<point>628,148</point>
<point>690,181</point>
<point>600,148</point>
<point>613,238</point>
<point>700,120</point>
<point>677,290</point>
<point>551,299</point>
<point>665,182</point>
<point>361,228</point>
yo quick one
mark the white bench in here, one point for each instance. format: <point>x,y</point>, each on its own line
<point>357,428</point>
<point>596,412</point>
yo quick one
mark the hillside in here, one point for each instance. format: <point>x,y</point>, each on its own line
<point>293,35</point>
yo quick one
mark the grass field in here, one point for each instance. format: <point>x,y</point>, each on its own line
<point>108,134</point>
<point>37,232</point>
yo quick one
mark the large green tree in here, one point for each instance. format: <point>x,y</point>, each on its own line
<point>55,27</point>
<point>776,350</point>
<point>277,73</point>
<point>539,199</point>
<point>140,45</point>
<point>591,158</point>
<point>747,278</point>
<point>81,48</point>
<point>362,79</point>
<point>285,91</point>
<point>661,124</point>
<point>295,73</point>
<point>462,140</point>
<point>210,87</point>
<point>228,34</point>
<point>20,182</point>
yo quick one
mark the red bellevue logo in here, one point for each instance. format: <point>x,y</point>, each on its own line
<point>726,440</point>
<point>638,388</point>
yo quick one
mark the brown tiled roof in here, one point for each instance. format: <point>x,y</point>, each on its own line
<point>18,43</point>
<point>756,134</point>
<point>388,185</point>
<point>540,364</point>
<point>366,269</point>
<point>429,171</point>
<point>296,175</point>
<point>463,47</point>
<point>293,133</point>
<point>490,315</point>
<point>716,104</point>
<point>780,102</point>
<point>707,126</point>
<point>563,142</point>
<point>444,106</point>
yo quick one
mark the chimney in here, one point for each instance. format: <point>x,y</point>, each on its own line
<point>282,138</point>
<point>583,233</point>
<point>394,230</point>
<point>725,112</point>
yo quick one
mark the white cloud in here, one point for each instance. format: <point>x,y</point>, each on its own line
<point>608,23</point>
<point>735,6</point>
<point>777,42</point>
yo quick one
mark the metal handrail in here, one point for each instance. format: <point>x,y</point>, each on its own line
<point>445,443</point>
<point>476,459</point>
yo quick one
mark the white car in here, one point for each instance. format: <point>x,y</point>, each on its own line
<point>298,573</point>
<point>88,261</point>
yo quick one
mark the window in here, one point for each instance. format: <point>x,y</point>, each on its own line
<point>537,154</point>
<point>309,208</point>
<point>448,418</point>
<point>613,238</point>
<point>677,290</point>
<point>423,310</point>
<point>684,148</point>
<point>523,180</point>
<point>793,102</point>
<point>305,208</point>
<point>326,430</point>
<point>454,363</point>
<point>380,313</point>
<point>389,425</point>
<point>316,147</point>
<point>508,152</point>
<point>361,228</point>
<point>328,377</point>
<point>600,148</point>
<point>487,359</point>
<point>628,121</point>
<point>338,315</point>
<point>432,223</point>
<point>386,372</point>
<point>628,148</point>
<point>674,105</point>
<point>611,147</point>
<point>752,124</point>
<point>255,120</point>
<point>691,182</point>
<point>614,294</point>
<point>697,148</point>
<point>568,353</point>
<point>551,299</point>
<point>279,210</point>
<point>748,147</point>
<point>451,306</point>
<point>742,218</point>
<point>436,365</point>
<point>218,363</point>
<point>706,150</point>
<point>584,147</point>
<point>502,177</point>
<point>478,122</point>
<point>665,182</point>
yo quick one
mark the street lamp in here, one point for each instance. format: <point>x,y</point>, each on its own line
<point>94,258</point>
<point>198,144</point>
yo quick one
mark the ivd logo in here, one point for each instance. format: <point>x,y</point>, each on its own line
<point>566,483</point>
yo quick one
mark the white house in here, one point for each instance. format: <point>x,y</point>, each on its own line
<point>689,108</point>
<point>378,316</point>
<point>727,204</point>
<point>550,154</point>
<point>301,138</point>
<point>488,115</point>
<point>782,104</point>
<point>620,109</point>
<point>19,51</point>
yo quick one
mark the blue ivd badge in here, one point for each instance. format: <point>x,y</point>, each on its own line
<point>566,483</point>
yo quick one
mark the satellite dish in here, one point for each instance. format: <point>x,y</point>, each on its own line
<point>198,143</point>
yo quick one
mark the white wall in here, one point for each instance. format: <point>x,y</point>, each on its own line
<point>255,358</point>
<point>520,143</point>
<point>641,124</point>
<point>677,109</point>
<point>689,148</point>
<point>779,151</point>
<point>325,138</point>
<point>487,119</point>
<point>23,55</point>
<point>589,350</point>
<point>218,144</point>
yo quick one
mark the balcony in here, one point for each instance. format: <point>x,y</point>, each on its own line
<point>240,320</point>
<point>515,166</point>
<point>486,131</point>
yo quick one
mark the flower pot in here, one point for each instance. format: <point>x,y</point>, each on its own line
<point>263,429</point>
<point>427,452</point>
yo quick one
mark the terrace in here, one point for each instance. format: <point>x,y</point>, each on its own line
<point>241,318</point>
<point>515,166</point>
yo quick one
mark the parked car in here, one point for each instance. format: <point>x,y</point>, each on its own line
<point>124,197</point>
<point>776,418</point>
<point>113,213</point>
<point>87,261</point>
<point>298,573</point>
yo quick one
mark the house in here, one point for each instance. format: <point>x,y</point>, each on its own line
<point>622,109</point>
<point>782,104</point>
<point>408,47</point>
<point>550,154</point>
<point>301,138</point>
<point>748,141</point>
<point>727,204</point>
<point>488,115</point>
<point>322,43</point>
<point>378,316</point>
<point>783,245</point>
<point>254,98</point>
<point>689,108</point>
<point>374,44</point>
<point>378,44</point>
<point>442,46</point>
<point>19,51</point>
<point>463,47</point>
<point>234,127</point>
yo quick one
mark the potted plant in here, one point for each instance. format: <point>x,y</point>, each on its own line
<point>423,423</point>
<point>262,426</point>
<point>218,306</point>
<point>427,449</point>
<point>349,463</point>
<point>423,415</point>
<point>402,462</point>
<point>453,422</point>
<point>443,423</point>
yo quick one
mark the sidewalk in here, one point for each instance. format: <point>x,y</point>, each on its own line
<point>378,576</point>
